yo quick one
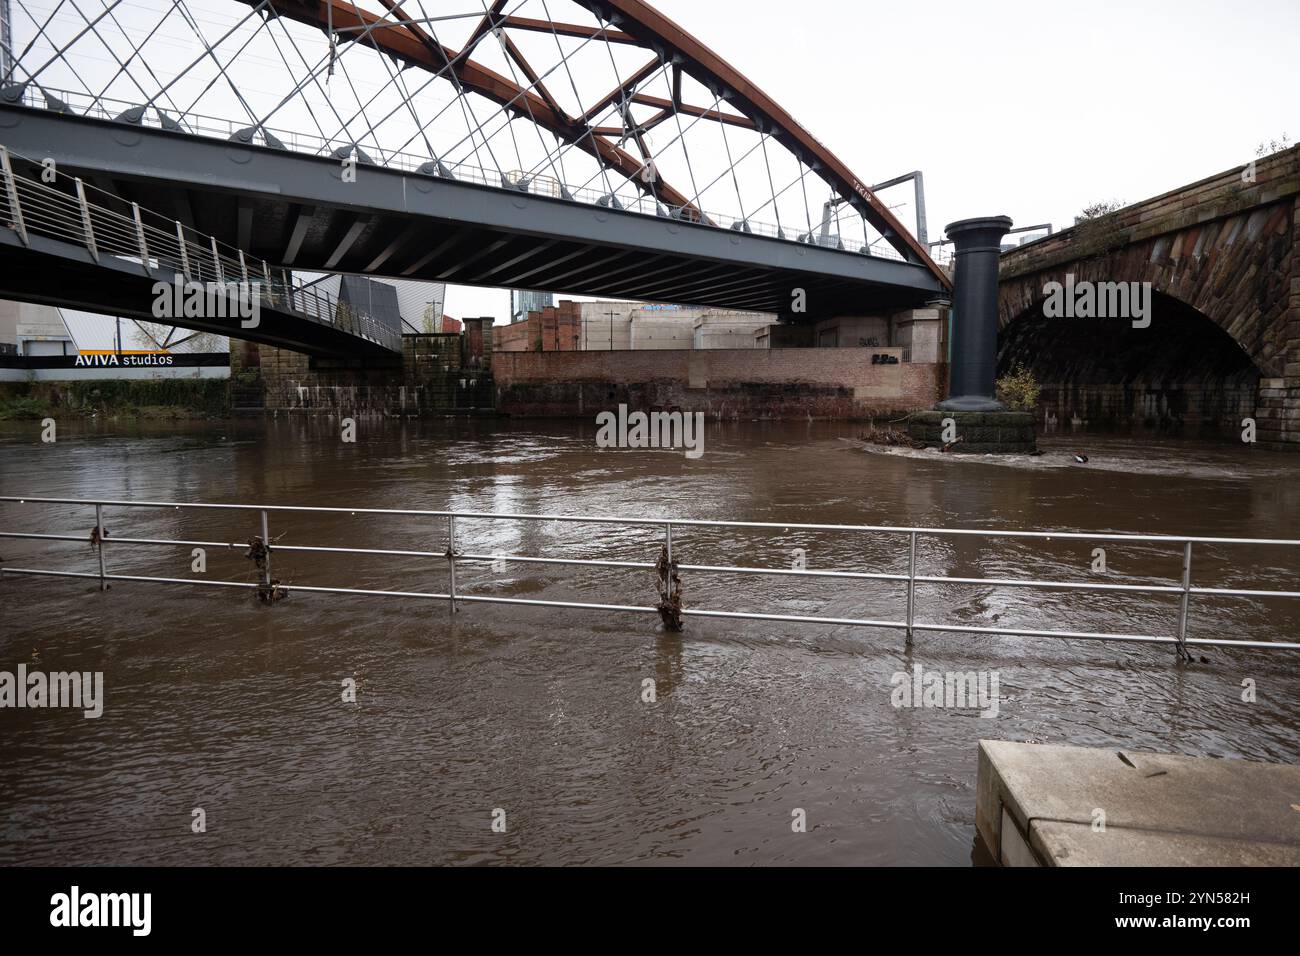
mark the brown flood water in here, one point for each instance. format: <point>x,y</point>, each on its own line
<point>214,701</point>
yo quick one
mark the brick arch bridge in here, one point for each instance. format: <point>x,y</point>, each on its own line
<point>1223,259</point>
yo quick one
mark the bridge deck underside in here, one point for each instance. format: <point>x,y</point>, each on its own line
<point>297,211</point>
<point>63,274</point>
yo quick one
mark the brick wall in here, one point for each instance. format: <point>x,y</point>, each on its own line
<point>556,328</point>
<point>517,337</point>
<point>245,377</point>
<point>436,377</point>
<point>1188,409</point>
<point>1278,407</point>
<point>477,343</point>
<point>725,383</point>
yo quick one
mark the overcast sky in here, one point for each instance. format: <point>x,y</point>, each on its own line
<point>1029,109</point>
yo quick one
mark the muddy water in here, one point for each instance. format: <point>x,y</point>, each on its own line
<point>216,702</point>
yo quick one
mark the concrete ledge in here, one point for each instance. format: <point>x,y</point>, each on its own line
<point>1042,805</point>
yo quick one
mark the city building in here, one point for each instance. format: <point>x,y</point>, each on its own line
<point>415,307</point>
<point>27,329</point>
<point>622,326</point>
<point>523,302</point>
<point>641,325</point>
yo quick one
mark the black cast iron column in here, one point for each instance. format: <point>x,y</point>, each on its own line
<point>977,244</point>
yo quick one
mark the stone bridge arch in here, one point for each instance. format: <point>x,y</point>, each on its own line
<point>1222,256</point>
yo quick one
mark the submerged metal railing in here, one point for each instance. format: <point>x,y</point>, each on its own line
<point>262,549</point>
<point>33,206</point>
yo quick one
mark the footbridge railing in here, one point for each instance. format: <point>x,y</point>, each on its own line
<point>66,209</point>
<point>197,124</point>
<point>667,568</point>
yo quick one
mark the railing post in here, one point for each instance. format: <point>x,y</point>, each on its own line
<point>266,566</point>
<point>451,561</point>
<point>216,263</point>
<point>911,582</point>
<point>139,237</point>
<point>99,533</point>
<point>185,255</point>
<point>243,267</point>
<point>1182,610</point>
<point>86,225</point>
<point>11,188</point>
<point>270,286</point>
<point>669,584</point>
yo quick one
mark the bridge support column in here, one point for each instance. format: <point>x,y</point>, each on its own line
<point>971,418</point>
<point>976,246</point>
<point>247,389</point>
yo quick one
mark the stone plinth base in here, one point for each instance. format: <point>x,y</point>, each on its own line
<point>975,432</point>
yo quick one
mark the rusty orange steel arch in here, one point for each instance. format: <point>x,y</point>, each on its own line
<point>632,22</point>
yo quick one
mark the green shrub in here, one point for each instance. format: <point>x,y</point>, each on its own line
<point>204,398</point>
<point>23,407</point>
<point>1018,390</point>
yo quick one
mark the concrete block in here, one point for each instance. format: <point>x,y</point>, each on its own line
<point>1159,809</point>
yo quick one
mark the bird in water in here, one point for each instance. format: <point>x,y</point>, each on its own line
<point>1081,459</point>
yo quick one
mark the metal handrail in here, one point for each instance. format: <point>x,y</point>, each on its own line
<point>197,124</point>
<point>145,238</point>
<point>1183,589</point>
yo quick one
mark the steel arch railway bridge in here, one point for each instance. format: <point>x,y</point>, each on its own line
<point>587,147</point>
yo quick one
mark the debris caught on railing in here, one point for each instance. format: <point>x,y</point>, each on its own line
<point>269,590</point>
<point>95,541</point>
<point>669,585</point>
<point>258,552</point>
<point>270,593</point>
